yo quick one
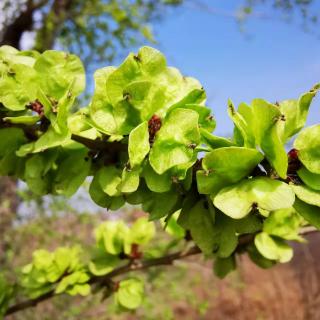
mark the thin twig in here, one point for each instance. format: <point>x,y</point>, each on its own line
<point>141,265</point>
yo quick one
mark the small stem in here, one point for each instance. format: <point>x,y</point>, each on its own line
<point>141,265</point>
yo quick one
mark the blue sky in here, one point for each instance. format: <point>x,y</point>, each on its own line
<point>274,60</point>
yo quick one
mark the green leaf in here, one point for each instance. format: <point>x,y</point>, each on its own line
<point>308,212</point>
<point>238,200</point>
<point>18,87</point>
<point>129,180</point>
<point>10,140</point>
<point>79,289</point>
<point>29,120</point>
<point>35,176</point>
<point>284,223</point>
<point>140,196</point>
<point>312,180</point>
<point>201,225</point>
<point>225,166</point>
<point>113,235</point>
<point>101,110</point>
<point>103,264</point>
<point>308,146</point>
<point>307,195</point>
<point>206,120</point>
<point>58,70</point>
<point>272,248</point>
<point>269,126</point>
<point>130,293</point>
<point>101,198</point>
<point>249,224</point>
<point>70,281</point>
<point>296,112</point>
<point>142,231</point>
<point>172,227</point>
<point>161,204</point>
<point>274,150</point>
<point>110,179</point>
<point>223,266</point>
<point>157,182</point>
<point>72,172</point>
<point>175,141</point>
<point>242,124</point>
<point>138,144</point>
<point>258,258</point>
<point>213,141</point>
<point>6,292</point>
<point>49,139</point>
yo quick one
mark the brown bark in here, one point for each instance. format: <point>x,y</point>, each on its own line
<point>13,33</point>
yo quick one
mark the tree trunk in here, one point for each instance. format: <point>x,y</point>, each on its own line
<point>13,33</point>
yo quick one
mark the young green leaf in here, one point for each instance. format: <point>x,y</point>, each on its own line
<point>130,293</point>
<point>157,182</point>
<point>308,146</point>
<point>138,144</point>
<point>175,142</point>
<point>308,212</point>
<point>296,112</point>
<point>238,200</point>
<point>284,223</point>
<point>223,266</point>
<point>307,195</point>
<point>312,180</point>
<point>225,166</point>
<point>272,248</point>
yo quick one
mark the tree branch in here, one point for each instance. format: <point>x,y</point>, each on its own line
<point>165,260</point>
<point>138,265</point>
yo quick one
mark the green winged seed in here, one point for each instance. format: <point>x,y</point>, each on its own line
<point>142,231</point>
<point>284,223</point>
<point>139,145</point>
<point>101,110</point>
<point>19,88</point>
<point>312,180</point>
<point>268,128</point>
<point>272,248</point>
<point>307,195</point>
<point>238,200</point>
<point>129,180</point>
<point>175,141</point>
<point>110,179</point>
<point>296,112</point>
<point>130,293</point>
<point>308,146</point>
<point>157,182</point>
<point>71,173</point>
<point>223,266</point>
<point>214,142</point>
<point>308,212</point>
<point>103,264</point>
<point>59,69</point>
<point>201,226</point>
<point>241,125</point>
<point>225,166</point>
<point>101,198</point>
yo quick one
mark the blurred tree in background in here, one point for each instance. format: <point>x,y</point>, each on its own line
<point>98,31</point>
